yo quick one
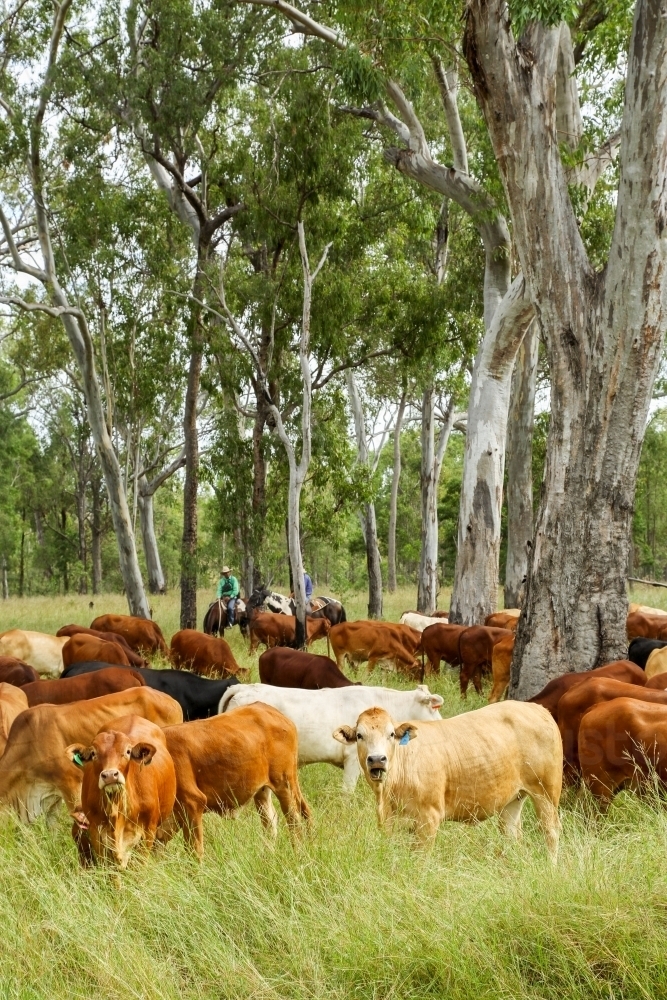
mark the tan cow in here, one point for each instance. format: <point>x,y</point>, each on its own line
<point>644,609</point>
<point>40,650</point>
<point>466,768</point>
<point>379,643</point>
<point>35,773</point>
<point>418,621</point>
<point>656,662</point>
<point>13,701</point>
<point>501,662</point>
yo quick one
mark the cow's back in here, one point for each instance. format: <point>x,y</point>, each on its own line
<point>40,650</point>
<point>82,688</point>
<point>12,702</point>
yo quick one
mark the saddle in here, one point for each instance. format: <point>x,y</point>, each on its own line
<point>317,603</point>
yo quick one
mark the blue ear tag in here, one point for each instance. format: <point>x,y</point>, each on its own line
<point>405,738</point>
<point>77,759</point>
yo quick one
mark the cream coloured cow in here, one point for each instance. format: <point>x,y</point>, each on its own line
<point>644,609</point>
<point>466,768</point>
<point>42,651</point>
<point>656,662</point>
<point>13,701</point>
<point>420,622</point>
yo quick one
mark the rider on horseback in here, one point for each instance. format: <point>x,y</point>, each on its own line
<point>228,586</point>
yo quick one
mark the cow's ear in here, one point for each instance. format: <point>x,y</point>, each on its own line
<point>143,752</point>
<point>405,732</point>
<point>79,754</point>
<point>345,734</point>
<point>437,701</point>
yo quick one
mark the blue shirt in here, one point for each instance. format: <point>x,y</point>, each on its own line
<point>308,584</point>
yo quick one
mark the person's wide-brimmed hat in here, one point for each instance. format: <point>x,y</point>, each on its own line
<point>226,569</point>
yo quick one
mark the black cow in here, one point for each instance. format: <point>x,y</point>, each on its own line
<point>198,696</point>
<point>640,649</point>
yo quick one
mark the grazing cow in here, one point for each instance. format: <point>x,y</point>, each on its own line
<point>41,651</point>
<point>198,697</point>
<point>467,768</point>
<point>621,670</point>
<point>378,643</point>
<point>295,669</point>
<point>441,642</point>
<point>622,743</point>
<point>656,663</point>
<point>139,633</point>
<point>646,626</point>
<point>316,713</point>
<point>206,656</point>
<point>222,763</point>
<point>503,619</point>
<point>417,621</point>
<point>657,683</point>
<point>123,800</point>
<point>280,630</point>
<point>16,672</point>
<point>640,649</point>
<point>575,703</point>
<point>475,653</point>
<point>12,702</point>
<point>85,648</point>
<point>134,659</point>
<point>65,691</point>
<point>35,773</point>
<point>501,662</point>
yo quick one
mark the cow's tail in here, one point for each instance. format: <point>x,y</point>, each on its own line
<point>226,698</point>
<point>328,645</point>
<point>343,616</point>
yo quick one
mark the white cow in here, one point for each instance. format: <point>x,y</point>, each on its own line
<point>42,651</point>
<point>317,713</point>
<point>466,768</point>
<point>420,622</point>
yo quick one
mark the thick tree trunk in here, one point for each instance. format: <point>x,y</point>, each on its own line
<point>431,465</point>
<point>191,441</point>
<point>393,500</point>
<point>373,563</point>
<point>603,331</point>
<point>22,556</point>
<point>156,583</point>
<point>520,469</point>
<point>96,536</point>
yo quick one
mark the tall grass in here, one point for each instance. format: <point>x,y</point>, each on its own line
<point>349,913</point>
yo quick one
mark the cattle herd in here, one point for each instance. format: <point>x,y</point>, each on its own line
<point>139,752</point>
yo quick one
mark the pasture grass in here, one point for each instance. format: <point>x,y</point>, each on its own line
<point>348,913</point>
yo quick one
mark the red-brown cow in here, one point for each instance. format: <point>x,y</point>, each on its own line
<point>140,633</point>
<point>134,658</point>
<point>377,643</point>
<point>123,799</point>
<point>646,626</point>
<point>621,670</point>
<point>204,655</point>
<point>503,619</point>
<point>280,630</point>
<point>82,687</point>
<point>293,668</point>
<point>223,762</point>
<point>475,653</point>
<point>622,744</point>
<point>87,649</point>
<point>441,642</point>
<point>16,672</point>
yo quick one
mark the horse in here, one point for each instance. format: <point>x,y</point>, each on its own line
<point>215,619</point>
<point>265,599</point>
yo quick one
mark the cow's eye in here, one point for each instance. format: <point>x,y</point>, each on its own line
<point>128,752</point>
<point>391,736</point>
<point>359,736</point>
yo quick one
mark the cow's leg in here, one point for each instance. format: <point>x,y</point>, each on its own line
<point>464,679</point>
<point>510,816</point>
<point>351,771</point>
<point>189,814</point>
<point>266,810</point>
<point>547,814</point>
<point>477,678</point>
<point>426,828</point>
<point>83,845</point>
<point>500,685</point>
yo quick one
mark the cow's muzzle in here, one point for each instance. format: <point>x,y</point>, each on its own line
<point>111,780</point>
<point>377,767</point>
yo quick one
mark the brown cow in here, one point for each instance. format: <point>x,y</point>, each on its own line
<point>503,619</point>
<point>204,655</point>
<point>475,653</point>
<point>657,683</point>
<point>293,668</point>
<point>123,799</point>
<point>501,662</point>
<point>35,773</point>
<point>82,687</point>
<point>87,649</point>
<point>441,642</point>
<point>621,670</point>
<point>575,703</point>
<point>378,642</point>
<point>223,762</point>
<point>134,658</point>
<point>12,702</point>
<point>16,672</point>
<point>646,626</point>
<point>140,633</point>
<point>270,630</point>
<point>622,743</point>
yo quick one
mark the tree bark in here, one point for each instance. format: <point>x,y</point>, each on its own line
<point>520,469</point>
<point>5,582</point>
<point>431,465</point>
<point>96,535</point>
<point>603,331</point>
<point>156,583</point>
<point>373,563</point>
<point>22,555</point>
<point>393,500</point>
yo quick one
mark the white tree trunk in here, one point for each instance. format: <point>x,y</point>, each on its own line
<point>603,331</point>
<point>432,456</point>
<point>156,584</point>
<point>373,562</point>
<point>393,500</point>
<point>520,469</point>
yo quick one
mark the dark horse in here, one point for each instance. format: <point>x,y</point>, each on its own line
<point>324,607</point>
<point>215,619</point>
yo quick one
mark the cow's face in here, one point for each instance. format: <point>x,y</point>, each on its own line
<point>111,755</point>
<point>428,704</point>
<point>377,738</point>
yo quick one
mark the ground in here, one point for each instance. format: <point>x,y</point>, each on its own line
<point>349,914</point>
